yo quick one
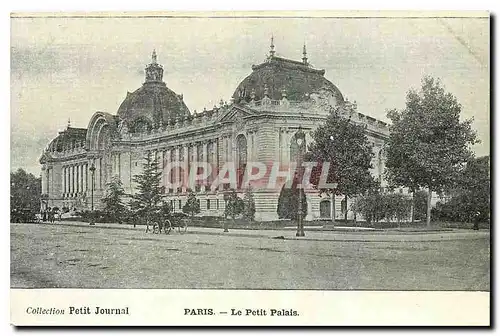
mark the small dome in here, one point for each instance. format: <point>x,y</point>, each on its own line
<point>279,75</point>
<point>68,139</point>
<point>154,102</point>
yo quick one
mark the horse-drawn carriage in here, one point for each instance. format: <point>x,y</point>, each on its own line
<point>170,224</point>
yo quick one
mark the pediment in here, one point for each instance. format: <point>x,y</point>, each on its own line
<point>235,114</point>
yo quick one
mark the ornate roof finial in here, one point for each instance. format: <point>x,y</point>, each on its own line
<point>266,90</point>
<point>271,51</point>
<point>283,93</point>
<point>304,52</point>
<point>153,57</point>
<point>69,123</point>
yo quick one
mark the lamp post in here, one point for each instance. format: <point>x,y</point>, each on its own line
<point>300,139</point>
<point>92,171</point>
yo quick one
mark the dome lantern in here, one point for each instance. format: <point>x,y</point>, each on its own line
<point>154,71</point>
<point>271,50</point>
<point>304,57</point>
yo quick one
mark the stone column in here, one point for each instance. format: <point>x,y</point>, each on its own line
<point>249,146</point>
<point>84,181</point>
<point>207,161</point>
<point>193,169</point>
<point>77,178</point>
<point>50,180</point>
<point>285,148</point>
<point>68,181</point>
<point>81,178</point>
<point>64,180</point>
<point>177,174</point>
<point>222,157</point>
<point>66,175</point>
<point>166,162</point>
<point>44,180</point>
<point>185,167</point>
<point>72,180</point>
<point>215,164</point>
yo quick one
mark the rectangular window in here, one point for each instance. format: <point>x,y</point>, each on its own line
<point>180,205</point>
<point>217,203</point>
<point>208,204</point>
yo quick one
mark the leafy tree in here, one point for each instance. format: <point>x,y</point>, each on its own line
<point>428,145</point>
<point>249,205</point>
<point>234,205</point>
<point>396,206</point>
<point>192,205</point>
<point>344,144</point>
<point>471,198</point>
<point>420,205</point>
<point>147,201</point>
<point>376,206</point>
<point>113,201</point>
<point>25,192</point>
<point>475,185</point>
<point>288,202</point>
<point>370,206</point>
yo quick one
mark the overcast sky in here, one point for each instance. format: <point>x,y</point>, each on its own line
<point>72,67</point>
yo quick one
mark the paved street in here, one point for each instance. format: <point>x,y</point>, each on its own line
<point>111,256</point>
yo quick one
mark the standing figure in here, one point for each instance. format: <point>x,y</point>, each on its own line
<point>476,220</point>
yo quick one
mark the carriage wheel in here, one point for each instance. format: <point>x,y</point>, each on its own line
<point>168,227</point>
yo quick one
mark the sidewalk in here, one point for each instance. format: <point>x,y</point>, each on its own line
<point>316,235</point>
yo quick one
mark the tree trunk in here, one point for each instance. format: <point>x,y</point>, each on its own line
<point>345,215</point>
<point>429,198</point>
<point>332,207</point>
<point>412,209</point>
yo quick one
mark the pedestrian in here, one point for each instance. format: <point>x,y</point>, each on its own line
<point>44,215</point>
<point>476,221</point>
<point>51,215</point>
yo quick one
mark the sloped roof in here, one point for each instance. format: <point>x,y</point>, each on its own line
<point>296,78</point>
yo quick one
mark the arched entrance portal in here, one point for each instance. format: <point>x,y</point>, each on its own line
<point>104,163</point>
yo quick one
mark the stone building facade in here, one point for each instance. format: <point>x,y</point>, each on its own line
<point>259,124</point>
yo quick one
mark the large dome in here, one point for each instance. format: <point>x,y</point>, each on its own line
<point>154,102</point>
<point>279,75</point>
